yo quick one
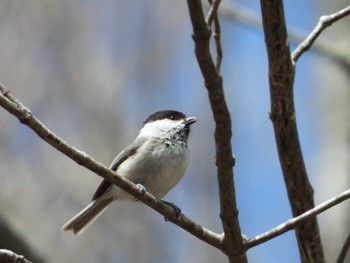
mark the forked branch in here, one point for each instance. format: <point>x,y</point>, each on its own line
<point>233,241</point>
<point>282,114</point>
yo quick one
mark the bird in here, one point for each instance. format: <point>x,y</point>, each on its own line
<point>156,161</point>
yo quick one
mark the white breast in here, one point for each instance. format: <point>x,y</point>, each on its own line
<point>159,170</point>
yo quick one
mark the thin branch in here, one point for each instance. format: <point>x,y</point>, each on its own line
<point>12,105</point>
<point>344,250</point>
<point>323,23</point>
<point>217,37</point>
<point>214,5</point>
<point>294,222</point>
<point>233,241</point>
<point>282,114</point>
<point>247,17</point>
<point>213,15</point>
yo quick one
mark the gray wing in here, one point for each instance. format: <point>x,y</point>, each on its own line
<point>121,157</point>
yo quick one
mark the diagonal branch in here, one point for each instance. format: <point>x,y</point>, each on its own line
<point>323,23</point>
<point>294,222</point>
<point>12,105</point>
<point>282,114</point>
<point>233,241</point>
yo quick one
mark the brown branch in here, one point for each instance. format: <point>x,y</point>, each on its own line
<point>323,23</point>
<point>214,5</point>
<point>294,222</point>
<point>233,241</point>
<point>282,114</point>
<point>12,105</point>
<point>217,37</point>
<point>213,16</point>
<point>344,250</point>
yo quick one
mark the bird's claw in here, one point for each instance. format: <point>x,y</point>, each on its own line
<point>177,210</point>
<point>142,190</point>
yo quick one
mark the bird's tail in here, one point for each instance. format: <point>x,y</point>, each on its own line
<point>79,223</point>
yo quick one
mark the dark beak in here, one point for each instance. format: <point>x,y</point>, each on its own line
<point>190,120</point>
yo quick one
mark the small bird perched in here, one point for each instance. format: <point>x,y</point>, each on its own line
<point>156,160</point>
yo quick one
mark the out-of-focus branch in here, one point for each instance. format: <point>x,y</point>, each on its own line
<point>294,222</point>
<point>233,241</point>
<point>323,23</point>
<point>247,17</point>
<point>12,105</point>
<point>7,256</point>
<point>282,114</point>
<point>344,250</point>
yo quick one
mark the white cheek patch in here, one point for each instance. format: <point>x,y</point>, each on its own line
<point>159,128</point>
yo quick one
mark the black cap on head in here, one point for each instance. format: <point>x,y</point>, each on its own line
<point>165,114</point>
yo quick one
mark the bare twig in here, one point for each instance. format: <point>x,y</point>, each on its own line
<point>213,16</point>
<point>247,17</point>
<point>214,5</point>
<point>217,37</point>
<point>233,241</point>
<point>282,114</point>
<point>12,105</point>
<point>344,250</point>
<point>323,23</point>
<point>294,222</point>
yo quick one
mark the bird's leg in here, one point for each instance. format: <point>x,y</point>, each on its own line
<point>142,191</point>
<point>177,210</point>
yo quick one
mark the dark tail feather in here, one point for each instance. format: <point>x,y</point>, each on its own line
<point>79,223</point>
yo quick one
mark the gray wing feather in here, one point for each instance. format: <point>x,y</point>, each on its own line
<point>121,157</point>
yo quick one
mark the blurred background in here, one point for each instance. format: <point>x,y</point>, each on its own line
<point>92,71</point>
